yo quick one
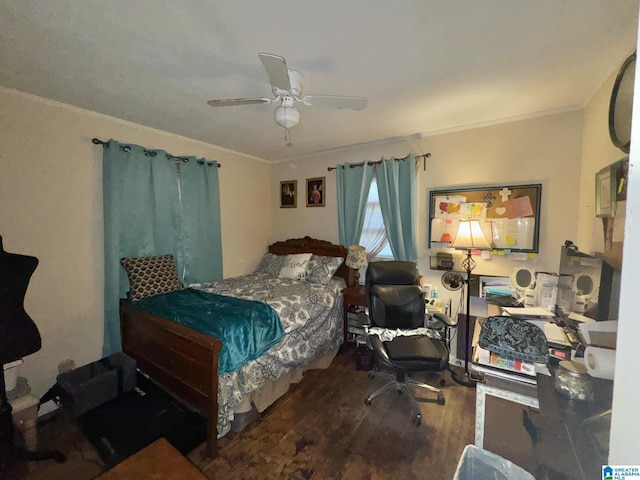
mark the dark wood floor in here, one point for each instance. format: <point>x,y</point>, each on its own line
<point>321,429</point>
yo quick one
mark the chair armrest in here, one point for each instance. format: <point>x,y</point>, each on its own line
<point>446,320</point>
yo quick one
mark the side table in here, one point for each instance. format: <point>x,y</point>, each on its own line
<point>353,295</point>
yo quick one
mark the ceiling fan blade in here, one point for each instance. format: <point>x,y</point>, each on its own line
<point>333,101</point>
<point>277,70</point>
<point>238,101</point>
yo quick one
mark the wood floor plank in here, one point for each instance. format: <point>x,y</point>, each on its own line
<point>321,429</point>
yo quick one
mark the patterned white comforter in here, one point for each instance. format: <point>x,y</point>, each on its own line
<point>311,315</point>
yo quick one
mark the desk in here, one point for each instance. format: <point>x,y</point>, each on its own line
<point>561,444</point>
<point>560,425</point>
<point>501,384</point>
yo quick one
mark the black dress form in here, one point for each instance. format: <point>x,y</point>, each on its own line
<point>19,337</point>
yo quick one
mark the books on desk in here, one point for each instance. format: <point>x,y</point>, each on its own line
<point>492,359</point>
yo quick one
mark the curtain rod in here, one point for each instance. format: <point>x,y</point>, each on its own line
<point>151,153</point>
<point>353,165</point>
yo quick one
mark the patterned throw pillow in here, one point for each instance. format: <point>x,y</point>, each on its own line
<point>271,264</point>
<point>295,266</point>
<point>150,276</point>
<point>321,269</point>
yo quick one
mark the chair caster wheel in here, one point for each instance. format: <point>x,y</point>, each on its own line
<point>367,402</point>
<point>417,421</point>
<point>443,382</point>
<point>441,400</point>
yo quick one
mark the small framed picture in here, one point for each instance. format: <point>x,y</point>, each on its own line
<point>315,192</point>
<point>622,172</point>
<point>606,192</point>
<point>289,194</point>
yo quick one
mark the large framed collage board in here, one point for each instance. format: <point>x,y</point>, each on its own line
<point>508,214</point>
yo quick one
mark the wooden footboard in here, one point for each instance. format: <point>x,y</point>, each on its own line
<point>180,359</point>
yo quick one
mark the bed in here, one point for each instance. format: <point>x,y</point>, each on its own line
<point>186,361</point>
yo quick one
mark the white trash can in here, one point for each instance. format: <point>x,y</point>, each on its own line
<point>479,464</point>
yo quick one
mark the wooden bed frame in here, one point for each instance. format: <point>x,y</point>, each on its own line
<point>185,361</point>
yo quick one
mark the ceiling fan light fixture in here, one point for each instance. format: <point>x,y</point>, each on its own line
<point>286,117</point>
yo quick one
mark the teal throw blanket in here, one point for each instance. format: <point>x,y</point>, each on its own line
<point>247,328</point>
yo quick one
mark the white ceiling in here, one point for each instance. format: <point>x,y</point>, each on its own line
<point>425,65</point>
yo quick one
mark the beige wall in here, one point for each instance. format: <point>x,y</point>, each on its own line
<point>51,208</point>
<point>597,152</point>
<point>544,150</point>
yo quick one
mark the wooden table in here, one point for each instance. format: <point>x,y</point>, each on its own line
<point>160,460</point>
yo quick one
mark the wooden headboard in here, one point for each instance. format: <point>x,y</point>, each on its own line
<point>318,247</point>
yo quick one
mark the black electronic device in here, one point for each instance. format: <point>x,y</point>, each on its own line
<point>592,278</point>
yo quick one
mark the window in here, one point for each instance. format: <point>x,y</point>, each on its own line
<point>374,233</point>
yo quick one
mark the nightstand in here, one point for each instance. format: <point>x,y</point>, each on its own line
<point>351,296</point>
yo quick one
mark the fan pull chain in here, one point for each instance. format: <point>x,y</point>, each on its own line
<point>287,138</point>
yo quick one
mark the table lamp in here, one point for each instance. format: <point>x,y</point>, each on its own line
<point>469,237</point>
<point>356,259</point>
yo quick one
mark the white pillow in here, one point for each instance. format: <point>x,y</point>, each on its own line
<point>295,266</point>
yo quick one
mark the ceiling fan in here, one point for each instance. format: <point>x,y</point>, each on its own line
<point>287,87</point>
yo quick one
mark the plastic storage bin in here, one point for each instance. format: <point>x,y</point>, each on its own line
<point>478,464</point>
<point>88,387</point>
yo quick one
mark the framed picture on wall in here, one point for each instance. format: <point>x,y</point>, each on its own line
<point>622,172</point>
<point>606,192</point>
<point>315,192</point>
<point>289,194</point>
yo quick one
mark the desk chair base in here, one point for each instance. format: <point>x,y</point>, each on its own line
<point>400,384</point>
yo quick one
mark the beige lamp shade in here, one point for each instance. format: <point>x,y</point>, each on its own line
<point>356,257</point>
<point>470,236</point>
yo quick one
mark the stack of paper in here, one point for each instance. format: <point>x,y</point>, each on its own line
<point>527,312</point>
<point>555,334</point>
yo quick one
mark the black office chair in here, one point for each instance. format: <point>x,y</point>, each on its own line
<point>396,301</point>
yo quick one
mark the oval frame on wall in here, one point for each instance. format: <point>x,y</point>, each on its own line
<point>621,105</point>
